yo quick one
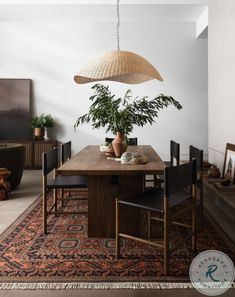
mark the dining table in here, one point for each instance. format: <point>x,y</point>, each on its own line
<point>109,179</point>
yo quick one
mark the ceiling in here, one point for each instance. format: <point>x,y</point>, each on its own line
<point>105,10</point>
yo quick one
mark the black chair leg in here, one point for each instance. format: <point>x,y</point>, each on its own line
<point>201,204</point>
<point>194,220</point>
<point>149,224</point>
<point>117,231</point>
<point>55,201</point>
<point>166,237</point>
<point>44,213</point>
<point>62,198</point>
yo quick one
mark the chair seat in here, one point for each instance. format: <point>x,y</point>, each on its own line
<point>62,181</point>
<point>153,199</point>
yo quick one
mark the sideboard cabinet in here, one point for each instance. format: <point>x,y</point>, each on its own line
<point>33,151</point>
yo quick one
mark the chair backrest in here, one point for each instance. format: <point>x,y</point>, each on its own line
<point>108,139</point>
<point>174,153</point>
<point>195,153</point>
<point>49,161</point>
<point>131,141</point>
<point>177,178</point>
<point>65,151</point>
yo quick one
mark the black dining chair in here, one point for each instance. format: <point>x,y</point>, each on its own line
<point>157,180</point>
<point>195,153</point>
<point>66,153</point>
<point>55,183</point>
<point>174,154</point>
<point>131,141</point>
<point>180,185</point>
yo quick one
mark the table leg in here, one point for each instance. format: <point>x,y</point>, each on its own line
<point>102,191</point>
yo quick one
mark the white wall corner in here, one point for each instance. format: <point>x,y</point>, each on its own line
<point>202,24</point>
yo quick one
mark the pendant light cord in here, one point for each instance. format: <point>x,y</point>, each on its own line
<point>118,25</point>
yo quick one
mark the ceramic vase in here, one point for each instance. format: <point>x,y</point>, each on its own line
<point>46,134</point>
<point>117,144</point>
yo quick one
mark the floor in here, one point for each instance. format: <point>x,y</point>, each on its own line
<point>28,191</point>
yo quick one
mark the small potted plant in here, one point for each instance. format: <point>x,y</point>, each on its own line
<point>107,149</point>
<point>121,114</point>
<point>40,124</point>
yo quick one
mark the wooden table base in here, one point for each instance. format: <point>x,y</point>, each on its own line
<point>102,193</point>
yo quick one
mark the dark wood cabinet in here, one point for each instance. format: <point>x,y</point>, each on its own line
<point>33,151</point>
<point>38,148</point>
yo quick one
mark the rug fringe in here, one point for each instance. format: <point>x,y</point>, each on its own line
<point>94,286</point>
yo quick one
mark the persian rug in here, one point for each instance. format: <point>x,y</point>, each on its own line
<point>66,258</point>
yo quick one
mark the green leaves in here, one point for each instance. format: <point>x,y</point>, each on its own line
<point>120,115</point>
<point>42,121</point>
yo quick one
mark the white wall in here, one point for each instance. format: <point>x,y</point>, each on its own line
<point>50,53</point>
<point>221,78</point>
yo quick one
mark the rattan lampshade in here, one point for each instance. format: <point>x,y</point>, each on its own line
<point>121,66</point>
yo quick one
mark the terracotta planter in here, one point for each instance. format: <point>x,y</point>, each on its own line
<point>39,133</point>
<point>117,144</point>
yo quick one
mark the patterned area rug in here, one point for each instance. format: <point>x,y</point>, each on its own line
<point>66,254</point>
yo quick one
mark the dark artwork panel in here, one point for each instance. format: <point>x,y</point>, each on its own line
<point>14,108</point>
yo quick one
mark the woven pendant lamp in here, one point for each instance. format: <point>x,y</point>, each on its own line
<point>122,66</point>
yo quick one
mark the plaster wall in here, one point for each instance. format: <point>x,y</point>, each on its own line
<point>51,52</point>
<point>221,49</point>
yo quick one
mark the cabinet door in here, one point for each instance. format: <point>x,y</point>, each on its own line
<point>28,154</point>
<point>39,148</point>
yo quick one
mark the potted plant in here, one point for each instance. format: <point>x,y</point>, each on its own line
<point>121,114</point>
<point>40,124</point>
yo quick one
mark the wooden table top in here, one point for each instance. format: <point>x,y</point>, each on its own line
<point>90,161</point>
